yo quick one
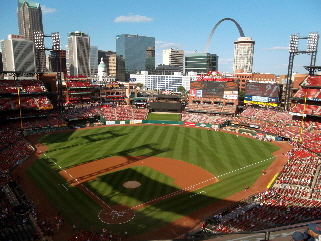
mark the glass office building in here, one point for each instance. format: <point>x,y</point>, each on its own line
<point>137,51</point>
<point>201,63</point>
<point>31,27</point>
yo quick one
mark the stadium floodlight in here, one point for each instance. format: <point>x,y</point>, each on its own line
<point>312,43</point>
<point>294,43</point>
<point>39,40</point>
<point>55,37</point>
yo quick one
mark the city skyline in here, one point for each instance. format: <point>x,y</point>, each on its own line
<point>186,26</point>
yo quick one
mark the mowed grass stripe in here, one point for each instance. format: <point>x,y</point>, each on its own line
<point>232,161</point>
<point>211,138</point>
<point>173,141</point>
<point>145,134</point>
<point>179,148</point>
<point>132,146</point>
<point>188,142</point>
<point>111,145</point>
<point>165,138</point>
<point>223,154</point>
<point>204,152</point>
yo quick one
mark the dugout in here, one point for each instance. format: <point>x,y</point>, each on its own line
<point>166,103</point>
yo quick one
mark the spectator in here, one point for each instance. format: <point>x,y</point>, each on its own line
<point>298,236</point>
<point>314,230</point>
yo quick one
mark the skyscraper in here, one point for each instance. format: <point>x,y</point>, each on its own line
<point>18,54</point>
<point>243,55</point>
<point>31,27</point>
<point>93,60</point>
<point>174,58</point>
<point>201,63</point>
<point>137,51</point>
<point>78,54</point>
<point>29,18</point>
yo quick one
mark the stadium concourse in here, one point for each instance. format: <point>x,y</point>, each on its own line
<point>293,196</point>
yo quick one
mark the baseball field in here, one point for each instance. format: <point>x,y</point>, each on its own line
<point>140,177</point>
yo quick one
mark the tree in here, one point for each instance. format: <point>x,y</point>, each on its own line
<point>241,95</point>
<point>140,85</point>
<point>181,89</point>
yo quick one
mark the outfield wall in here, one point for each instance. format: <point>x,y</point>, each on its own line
<point>160,122</point>
<point>253,133</point>
<point>214,126</point>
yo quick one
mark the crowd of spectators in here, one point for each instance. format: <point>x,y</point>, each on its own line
<point>31,86</point>
<point>13,148</point>
<point>80,112</point>
<point>15,206</point>
<point>210,108</point>
<point>203,118</point>
<point>123,112</point>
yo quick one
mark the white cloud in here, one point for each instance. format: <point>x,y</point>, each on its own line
<point>47,10</point>
<point>277,48</point>
<point>225,61</point>
<point>132,19</point>
<point>166,45</point>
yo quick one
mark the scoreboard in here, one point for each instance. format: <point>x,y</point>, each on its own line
<point>262,93</point>
<point>260,89</point>
<point>214,89</point>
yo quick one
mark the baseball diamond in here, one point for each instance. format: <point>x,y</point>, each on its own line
<point>177,172</point>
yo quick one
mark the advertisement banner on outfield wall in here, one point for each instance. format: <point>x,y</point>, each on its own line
<point>189,124</point>
<point>110,122</point>
<point>135,121</point>
<point>203,125</point>
<point>260,103</point>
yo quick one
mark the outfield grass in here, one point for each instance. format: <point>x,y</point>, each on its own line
<point>168,117</point>
<point>220,153</point>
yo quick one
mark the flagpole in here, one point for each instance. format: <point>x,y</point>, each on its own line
<point>19,102</point>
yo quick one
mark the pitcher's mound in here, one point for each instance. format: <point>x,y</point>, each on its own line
<point>117,214</point>
<point>131,184</point>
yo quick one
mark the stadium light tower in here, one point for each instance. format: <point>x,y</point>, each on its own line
<point>312,46</point>
<point>40,48</point>
<point>55,38</point>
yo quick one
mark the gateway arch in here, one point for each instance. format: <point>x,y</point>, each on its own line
<point>216,25</point>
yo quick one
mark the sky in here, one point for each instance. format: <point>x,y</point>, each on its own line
<point>185,25</point>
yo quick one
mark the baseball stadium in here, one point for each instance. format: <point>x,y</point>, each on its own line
<point>160,167</point>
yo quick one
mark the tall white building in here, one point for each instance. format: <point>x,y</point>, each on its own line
<point>78,54</point>
<point>18,54</point>
<point>174,58</point>
<point>164,82</point>
<point>243,55</point>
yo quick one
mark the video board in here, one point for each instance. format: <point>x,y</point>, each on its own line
<point>262,93</point>
<point>214,89</point>
<point>262,89</point>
